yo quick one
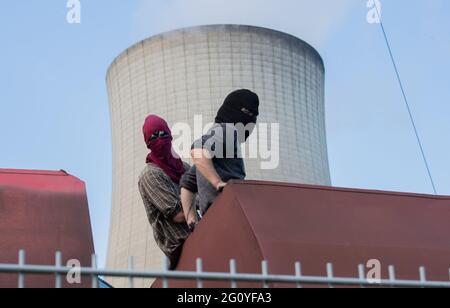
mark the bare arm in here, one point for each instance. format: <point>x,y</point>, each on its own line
<point>187,200</point>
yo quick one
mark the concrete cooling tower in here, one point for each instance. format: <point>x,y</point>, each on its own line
<point>186,73</point>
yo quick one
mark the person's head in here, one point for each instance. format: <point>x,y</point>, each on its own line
<point>157,135</point>
<point>158,138</point>
<point>240,108</point>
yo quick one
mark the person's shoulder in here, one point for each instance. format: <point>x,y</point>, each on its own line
<point>215,134</point>
<point>218,128</point>
<point>151,172</point>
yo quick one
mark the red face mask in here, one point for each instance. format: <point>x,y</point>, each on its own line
<point>160,146</point>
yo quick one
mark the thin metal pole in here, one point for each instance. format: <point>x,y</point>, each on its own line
<point>265,273</point>
<point>298,273</point>
<point>423,274</point>
<point>131,268</point>
<point>166,269</point>
<point>233,271</point>
<point>392,277</point>
<point>94,277</point>
<point>21,265</point>
<point>330,273</point>
<point>58,264</point>
<point>362,274</point>
<point>199,271</point>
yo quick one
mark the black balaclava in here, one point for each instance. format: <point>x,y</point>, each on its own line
<point>241,106</point>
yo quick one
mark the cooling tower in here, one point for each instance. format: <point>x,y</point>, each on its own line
<point>189,72</point>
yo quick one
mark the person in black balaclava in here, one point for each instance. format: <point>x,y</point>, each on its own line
<point>217,155</point>
<point>241,106</point>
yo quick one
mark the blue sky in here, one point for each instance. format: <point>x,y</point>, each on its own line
<point>54,106</point>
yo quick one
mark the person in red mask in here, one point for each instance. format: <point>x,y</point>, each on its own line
<point>159,185</point>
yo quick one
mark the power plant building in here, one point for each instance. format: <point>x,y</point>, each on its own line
<point>187,73</point>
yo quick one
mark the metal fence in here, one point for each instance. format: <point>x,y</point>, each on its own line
<point>233,277</point>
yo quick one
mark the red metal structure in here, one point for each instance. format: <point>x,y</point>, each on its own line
<point>43,212</point>
<point>285,223</point>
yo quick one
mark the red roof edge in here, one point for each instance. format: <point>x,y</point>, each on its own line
<point>341,189</point>
<point>33,172</point>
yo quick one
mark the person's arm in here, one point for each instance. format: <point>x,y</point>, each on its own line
<point>205,166</point>
<point>189,190</point>
<point>187,201</point>
<point>156,189</point>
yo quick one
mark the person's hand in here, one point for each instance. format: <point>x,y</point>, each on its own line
<point>221,186</point>
<point>192,221</point>
<point>179,218</point>
<point>192,226</point>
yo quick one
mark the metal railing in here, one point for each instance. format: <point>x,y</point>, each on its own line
<point>200,276</point>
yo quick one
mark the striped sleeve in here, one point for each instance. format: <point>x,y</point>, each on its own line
<point>158,190</point>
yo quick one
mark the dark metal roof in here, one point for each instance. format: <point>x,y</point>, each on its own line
<point>285,223</point>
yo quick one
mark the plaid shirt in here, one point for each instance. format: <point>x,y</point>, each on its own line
<point>162,203</point>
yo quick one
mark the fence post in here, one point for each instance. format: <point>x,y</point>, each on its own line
<point>392,277</point>
<point>265,273</point>
<point>423,274</point>
<point>94,277</point>
<point>166,270</point>
<point>233,272</point>
<point>199,271</point>
<point>330,274</point>
<point>362,275</point>
<point>58,264</point>
<point>298,274</point>
<point>131,269</point>
<point>21,264</point>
